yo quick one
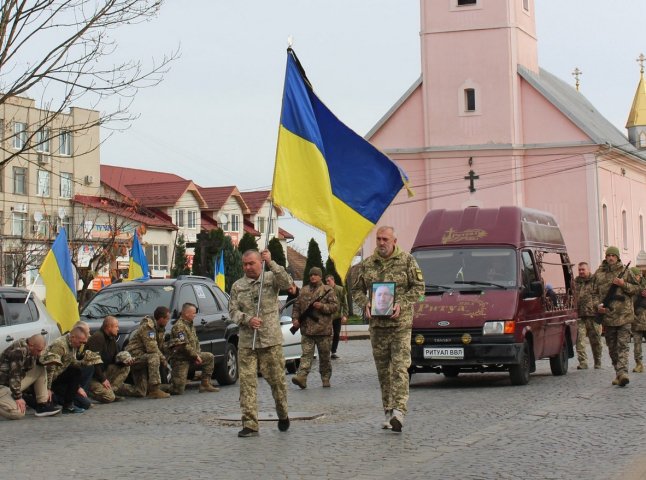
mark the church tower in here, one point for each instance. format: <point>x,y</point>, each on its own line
<point>636,123</point>
<point>471,50</point>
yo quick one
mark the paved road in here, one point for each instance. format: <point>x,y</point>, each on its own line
<point>472,427</point>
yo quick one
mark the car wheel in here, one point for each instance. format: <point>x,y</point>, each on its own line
<point>291,366</point>
<point>519,374</point>
<point>226,373</point>
<point>559,363</point>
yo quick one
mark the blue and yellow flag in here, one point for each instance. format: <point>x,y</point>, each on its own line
<point>219,271</point>
<point>58,275</point>
<point>138,268</point>
<point>326,174</point>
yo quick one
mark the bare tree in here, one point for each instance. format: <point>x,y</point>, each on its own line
<point>61,52</point>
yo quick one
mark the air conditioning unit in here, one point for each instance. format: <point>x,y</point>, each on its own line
<point>20,208</point>
<point>89,180</point>
<point>44,159</point>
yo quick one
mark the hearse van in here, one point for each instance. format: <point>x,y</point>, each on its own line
<point>486,306</point>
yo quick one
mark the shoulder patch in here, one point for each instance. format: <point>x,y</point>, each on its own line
<point>418,272</point>
<point>181,336</point>
<point>151,334</point>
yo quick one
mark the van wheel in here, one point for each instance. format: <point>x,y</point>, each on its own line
<point>559,363</point>
<point>450,372</point>
<point>519,374</point>
<point>226,373</point>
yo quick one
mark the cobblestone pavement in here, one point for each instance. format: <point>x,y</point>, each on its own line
<point>471,427</point>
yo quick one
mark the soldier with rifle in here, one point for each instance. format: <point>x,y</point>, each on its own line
<point>639,324</point>
<point>613,291</point>
<point>312,312</point>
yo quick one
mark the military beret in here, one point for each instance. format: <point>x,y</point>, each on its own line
<point>49,358</point>
<point>91,358</point>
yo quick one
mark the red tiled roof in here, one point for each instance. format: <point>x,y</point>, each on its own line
<point>248,227</point>
<point>255,201</point>
<point>148,217</point>
<point>296,263</point>
<point>285,234</point>
<point>216,197</point>
<point>118,177</point>
<point>208,222</point>
<point>163,194</point>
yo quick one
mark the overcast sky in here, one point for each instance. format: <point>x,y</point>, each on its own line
<point>215,117</point>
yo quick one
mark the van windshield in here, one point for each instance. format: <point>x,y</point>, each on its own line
<point>136,301</point>
<point>465,268</point>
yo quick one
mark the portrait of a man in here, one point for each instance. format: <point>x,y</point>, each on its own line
<point>383,299</point>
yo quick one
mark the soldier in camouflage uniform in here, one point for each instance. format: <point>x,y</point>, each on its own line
<point>19,370</point>
<point>266,353</point>
<point>312,312</point>
<point>586,324</point>
<point>340,317</point>
<point>64,380</point>
<point>391,336</point>
<point>639,324</point>
<point>620,315</point>
<point>188,351</point>
<point>146,347</point>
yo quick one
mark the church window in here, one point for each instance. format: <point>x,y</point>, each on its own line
<point>624,229</point>
<point>462,3</point>
<point>469,99</point>
<point>604,221</point>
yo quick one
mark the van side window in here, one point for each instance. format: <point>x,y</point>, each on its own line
<point>207,303</point>
<point>186,295</point>
<point>529,272</point>
<point>20,312</point>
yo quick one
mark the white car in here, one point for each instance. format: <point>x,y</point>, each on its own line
<point>21,320</point>
<point>291,342</point>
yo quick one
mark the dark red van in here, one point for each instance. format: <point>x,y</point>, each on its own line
<point>499,293</point>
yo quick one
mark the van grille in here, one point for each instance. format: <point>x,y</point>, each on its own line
<point>449,335</point>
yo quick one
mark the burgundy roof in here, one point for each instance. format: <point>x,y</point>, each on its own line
<point>255,200</point>
<point>163,194</point>
<point>117,178</point>
<point>208,222</point>
<point>148,217</point>
<point>285,234</point>
<point>216,197</point>
<point>248,227</point>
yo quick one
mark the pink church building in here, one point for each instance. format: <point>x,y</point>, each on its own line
<point>485,126</point>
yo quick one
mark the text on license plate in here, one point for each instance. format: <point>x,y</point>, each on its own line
<point>444,352</point>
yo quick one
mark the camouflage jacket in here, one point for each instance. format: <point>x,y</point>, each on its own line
<point>585,303</point>
<point>148,338</point>
<point>401,268</point>
<point>15,362</point>
<point>622,311</point>
<point>639,325</point>
<point>63,348</point>
<point>343,302</point>
<point>244,302</point>
<point>184,331</point>
<point>320,321</point>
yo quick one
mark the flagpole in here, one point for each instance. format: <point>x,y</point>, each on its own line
<point>262,271</point>
<point>31,289</point>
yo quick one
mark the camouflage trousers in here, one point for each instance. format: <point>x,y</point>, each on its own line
<point>270,362</point>
<point>180,367</point>
<point>618,341</point>
<point>323,344</point>
<point>116,375</point>
<point>638,338</point>
<point>588,327</point>
<point>391,351</point>
<point>36,377</point>
<point>144,372</point>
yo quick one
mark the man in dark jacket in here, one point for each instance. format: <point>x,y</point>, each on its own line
<point>109,375</point>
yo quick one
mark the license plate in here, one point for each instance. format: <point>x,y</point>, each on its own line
<point>444,352</point>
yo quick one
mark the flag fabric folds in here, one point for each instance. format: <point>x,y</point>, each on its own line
<point>219,271</point>
<point>58,275</point>
<point>326,174</point>
<point>138,268</point>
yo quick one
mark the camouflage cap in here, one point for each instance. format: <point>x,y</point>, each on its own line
<point>176,342</point>
<point>123,357</point>
<point>635,271</point>
<point>316,271</point>
<point>91,358</point>
<point>612,251</point>
<point>49,358</point>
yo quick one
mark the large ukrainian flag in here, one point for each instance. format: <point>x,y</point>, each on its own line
<point>58,275</point>
<point>327,175</point>
<point>138,267</point>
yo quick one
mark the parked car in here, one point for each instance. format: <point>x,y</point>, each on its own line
<point>21,320</point>
<point>291,342</point>
<point>131,301</point>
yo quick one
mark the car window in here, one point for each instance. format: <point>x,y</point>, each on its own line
<point>137,300</point>
<point>2,317</point>
<point>222,299</point>
<point>186,295</point>
<point>205,300</point>
<point>19,312</point>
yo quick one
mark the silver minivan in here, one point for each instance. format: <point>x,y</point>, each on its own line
<point>21,320</point>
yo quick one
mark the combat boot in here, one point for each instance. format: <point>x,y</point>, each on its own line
<point>300,381</point>
<point>155,392</point>
<point>582,366</point>
<point>206,386</point>
<point>623,380</point>
<point>639,368</point>
<point>326,382</point>
<point>615,381</point>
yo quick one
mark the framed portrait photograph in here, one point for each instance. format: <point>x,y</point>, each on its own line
<point>382,299</point>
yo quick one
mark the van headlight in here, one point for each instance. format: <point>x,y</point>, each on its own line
<point>499,327</point>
